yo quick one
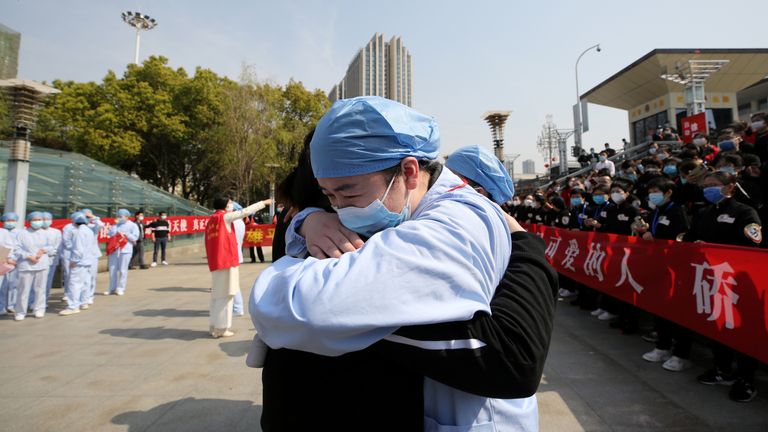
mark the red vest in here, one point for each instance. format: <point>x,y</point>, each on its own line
<point>220,244</point>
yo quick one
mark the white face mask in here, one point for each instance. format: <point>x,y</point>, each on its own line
<point>515,202</point>
<point>758,125</point>
<point>229,207</point>
<point>652,151</point>
<point>699,141</point>
<point>528,203</point>
<point>617,197</point>
<point>163,217</point>
<point>139,218</point>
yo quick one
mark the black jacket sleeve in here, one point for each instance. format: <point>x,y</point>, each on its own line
<point>516,336</point>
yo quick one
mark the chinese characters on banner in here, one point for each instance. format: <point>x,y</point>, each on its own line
<point>693,125</point>
<point>718,291</point>
<point>258,235</point>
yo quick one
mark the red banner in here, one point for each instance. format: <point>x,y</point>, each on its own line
<point>258,235</point>
<point>718,291</point>
<point>693,125</point>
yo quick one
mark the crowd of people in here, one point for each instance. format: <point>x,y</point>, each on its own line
<point>705,191</point>
<point>32,254</point>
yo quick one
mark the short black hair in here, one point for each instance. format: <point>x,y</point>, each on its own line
<point>723,177</point>
<point>161,212</point>
<point>663,184</point>
<point>220,202</point>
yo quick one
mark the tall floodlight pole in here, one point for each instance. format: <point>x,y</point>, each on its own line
<point>692,76</point>
<point>139,22</point>
<point>577,115</point>
<point>25,99</point>
<point>496,120</point>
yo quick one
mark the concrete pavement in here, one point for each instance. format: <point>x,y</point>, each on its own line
<point>145,362</point>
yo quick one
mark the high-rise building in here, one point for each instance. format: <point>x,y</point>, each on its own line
<point>10,40</point>
<point>529,166</point>
<point>379,69</point>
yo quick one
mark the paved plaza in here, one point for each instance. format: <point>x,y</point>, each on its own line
<point>145,362</point>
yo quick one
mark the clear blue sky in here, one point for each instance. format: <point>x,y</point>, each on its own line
<point>469,57</point>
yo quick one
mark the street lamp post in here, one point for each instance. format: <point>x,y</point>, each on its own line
<point>577,124</point>
<point>272,167</point>
<point>139,22</point>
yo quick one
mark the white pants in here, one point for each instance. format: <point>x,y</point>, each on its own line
<point>49,282</point>
<point>65,276</point>
<point>94,270</point>
<point>118,271</point>
<point>10,288</point>
<point>226,283</point>
<point>28,281</point>
<point>79,286</point>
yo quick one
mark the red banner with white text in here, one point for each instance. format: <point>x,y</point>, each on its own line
<point>718,291</point>
<point>258,235</point>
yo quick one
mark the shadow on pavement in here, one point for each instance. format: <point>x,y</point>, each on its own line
<point>157,333</point>
<point>173,313</point>
<point>180,289</point>
<point>235,348</point>
<point>192,415</point>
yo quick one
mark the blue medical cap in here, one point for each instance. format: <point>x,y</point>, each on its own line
<point>35,214</point>
<point>123,212</point>
<point>368,134</point>
<point>10,216</point>
<point>86,210</point>
<point>47,215</point>
<point>483,168</point>
<point>73,217</point>
<point>236,206</point>
<point>79,217</point>
<point>727,145</point>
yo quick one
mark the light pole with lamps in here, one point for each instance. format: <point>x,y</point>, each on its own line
<point>272,167</point>
<point>139,22</point>
<point>577,108</point>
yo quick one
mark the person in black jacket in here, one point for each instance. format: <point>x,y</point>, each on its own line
<point>727,221</point>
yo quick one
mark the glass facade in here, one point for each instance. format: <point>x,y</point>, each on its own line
<point>62,182</point>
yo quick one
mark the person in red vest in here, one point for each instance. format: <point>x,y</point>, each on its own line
<point>224,261</point>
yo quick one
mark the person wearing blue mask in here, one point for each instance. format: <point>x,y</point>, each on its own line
<point>9,242</point>
<point>239,226</point>
<point>125,233</point>
<point>54,241</point>
<point>78,242</point>
<point>33,262</point>
<point>668,221</point>
<point>670,169</point>
<point>96,225</point>
<point>727,221</point>
<point>435,247</point>
<point>10,285</point>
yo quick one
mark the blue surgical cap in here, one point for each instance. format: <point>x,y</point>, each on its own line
<point>86,211</point>
<point>47,215</point>
<point>73,217</point>
<point>368,134</point>
<point>727,145</point>
<point>10,216</point>
<point>79,217</point>
<point>35,215</point>
<point>123,213</point>
<point>483,168</point>
<point>236,206</point>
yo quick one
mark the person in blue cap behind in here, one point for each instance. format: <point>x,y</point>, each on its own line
<point>483,171</point>
<point>120,259</point>
<point>96,225</point>
<point>78,240</point>
<point>10,285</point>
<point>436,251</point>
<point>33,261</point>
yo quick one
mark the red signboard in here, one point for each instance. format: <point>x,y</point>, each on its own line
<point>693,125</point>
<point>718,291</point>
<point>258,235</point>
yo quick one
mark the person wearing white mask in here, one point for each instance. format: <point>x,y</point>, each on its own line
<point>122,237</point>
<point>96,225</point>
<point>78,242</point>
<point>33,262</point>
<point>10,285</point>
<point>161,232</point>
<point>604,163</point>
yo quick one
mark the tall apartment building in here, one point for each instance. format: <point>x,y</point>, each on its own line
<point>10,41</point>
<point>529,166</point>
<point>379,69</point>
